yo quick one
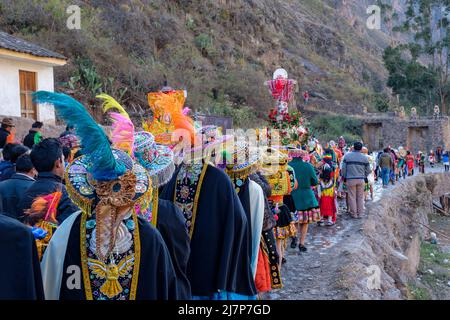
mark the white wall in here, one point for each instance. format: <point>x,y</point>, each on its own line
<point>10,88</point>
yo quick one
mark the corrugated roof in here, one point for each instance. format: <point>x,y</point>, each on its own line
<point>12,43</point>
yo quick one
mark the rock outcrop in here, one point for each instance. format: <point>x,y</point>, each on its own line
<point>388,245</point>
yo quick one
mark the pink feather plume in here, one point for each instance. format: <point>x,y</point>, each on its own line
<point>123,132</point>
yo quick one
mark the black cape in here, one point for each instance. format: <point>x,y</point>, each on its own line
<point>170,223</point>
<point>219,258</point>
<point>157,279</point>
<point>20,272</point>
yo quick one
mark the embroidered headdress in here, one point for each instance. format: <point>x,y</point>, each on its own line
<point>157,159</point>
<point>104,179</point>
<point>209,140</point>
<point>241,160</point>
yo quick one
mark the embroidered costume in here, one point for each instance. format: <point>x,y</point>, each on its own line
<point>304,199</point>
<point>120,255</point>
<point>42,218</point>
<point>219,265</point>
<point>326,191</point>
<point>240,163</point>
<point>157,160</point>
<point>274,167</point>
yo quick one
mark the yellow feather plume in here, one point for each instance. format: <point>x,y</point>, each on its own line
<point>111,103</point>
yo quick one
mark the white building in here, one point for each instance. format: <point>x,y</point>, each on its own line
<point>25,68</point>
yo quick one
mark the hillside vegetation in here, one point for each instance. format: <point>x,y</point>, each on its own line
<point>221,51</point>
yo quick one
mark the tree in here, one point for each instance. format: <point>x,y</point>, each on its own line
<point>415,83</point>
<point>428,19</point>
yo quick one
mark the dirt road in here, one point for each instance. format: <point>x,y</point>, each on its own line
<point>314,275</point>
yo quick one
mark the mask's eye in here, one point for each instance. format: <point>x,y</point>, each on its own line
<point>117,187</point>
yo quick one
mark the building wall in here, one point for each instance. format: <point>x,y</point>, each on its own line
<point>23,125</point>
<point>10,88</point>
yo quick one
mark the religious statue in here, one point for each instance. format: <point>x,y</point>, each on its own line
<point>401,113</point>
<point>436,112</point>
<point>413,113</point>
<point>281,88</point>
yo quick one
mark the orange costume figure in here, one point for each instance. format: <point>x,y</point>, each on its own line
<point>168,116</point>
<point>410,163</point>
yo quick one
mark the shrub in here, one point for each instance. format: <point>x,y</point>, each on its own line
<point>327,128</point>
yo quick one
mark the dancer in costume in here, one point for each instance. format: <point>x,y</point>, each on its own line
<point>289,202</point>
<point>305,201</point>
<point>219,266</point>
<point>268,275</point>
<point>327,195</point>
<point>121,256</point>
<point>274,168</point>
<point>41,217</point>
<point>241,161</point>
<point>158,161</point>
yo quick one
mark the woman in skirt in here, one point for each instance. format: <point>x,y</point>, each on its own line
<point>306,204</point>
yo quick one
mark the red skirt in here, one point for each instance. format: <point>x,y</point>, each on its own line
<point>328,207</point>
<point>262,278</point>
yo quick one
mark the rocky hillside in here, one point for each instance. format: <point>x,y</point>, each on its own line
<point>221,51</point>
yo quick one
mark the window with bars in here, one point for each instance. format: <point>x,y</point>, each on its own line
<point>27,80</point>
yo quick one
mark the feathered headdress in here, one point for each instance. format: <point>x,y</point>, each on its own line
<point>93,138</point>
<point>123,127</point>
<point>44,208</point>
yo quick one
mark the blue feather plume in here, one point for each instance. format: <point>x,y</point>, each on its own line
<point>93,139</point>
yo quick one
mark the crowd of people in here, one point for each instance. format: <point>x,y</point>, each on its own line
<point>143,219</point>
<point>394,164</point>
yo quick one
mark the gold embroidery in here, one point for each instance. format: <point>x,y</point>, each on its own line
<point>84,259</point>
<point>111,273</point>
<point>196,197</point>
<point>137,257</point>
<point>155,207</point>
<point>113,287</point>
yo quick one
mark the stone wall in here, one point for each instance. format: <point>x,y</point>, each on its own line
<point>420,134</point>
<point>390,239</point>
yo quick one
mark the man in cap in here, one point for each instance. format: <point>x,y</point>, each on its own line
<point>5,130</point>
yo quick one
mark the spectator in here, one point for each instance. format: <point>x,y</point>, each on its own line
<point>355,170</point>
<point>445,160</point>
<point>439,154</point>
<point>5,131</point>
<point>13,188</point>
<point>394,161</point>
<point>70,129</point>
<point>385,162</point>
<point>48,159</point>
<point>34,136</point>
<point>421,161</point>
<point>11,153</point>
<point>67,155</point>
